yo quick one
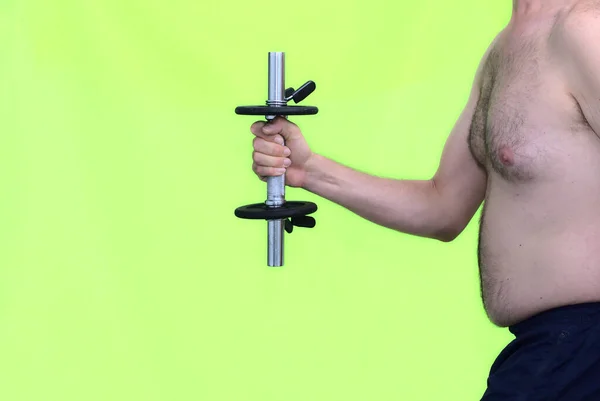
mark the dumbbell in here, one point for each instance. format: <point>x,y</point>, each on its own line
<point>281,215</point>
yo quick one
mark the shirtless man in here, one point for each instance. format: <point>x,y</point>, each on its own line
<point>527,146</point>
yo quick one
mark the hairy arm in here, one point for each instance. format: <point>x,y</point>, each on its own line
<point>438,208</point>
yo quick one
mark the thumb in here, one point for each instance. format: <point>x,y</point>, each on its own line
<point>279,125</point>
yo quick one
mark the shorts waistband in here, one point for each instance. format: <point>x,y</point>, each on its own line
<point>574,314</point>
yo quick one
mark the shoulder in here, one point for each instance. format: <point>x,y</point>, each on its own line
<point>578,45</point>
<point>491,53</point>
<point>575,37</point>
<point>580,25</point>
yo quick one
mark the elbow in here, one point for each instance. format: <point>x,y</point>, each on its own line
<point>446,236</point>
<point>449,232</point>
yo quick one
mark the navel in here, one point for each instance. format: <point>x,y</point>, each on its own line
<point>506,155</point>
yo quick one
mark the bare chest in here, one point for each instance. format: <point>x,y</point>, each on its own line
<point>522,112</point>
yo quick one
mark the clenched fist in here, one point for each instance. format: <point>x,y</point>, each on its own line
<point>272,158</point>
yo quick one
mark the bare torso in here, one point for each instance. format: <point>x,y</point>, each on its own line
<point>539,243</point>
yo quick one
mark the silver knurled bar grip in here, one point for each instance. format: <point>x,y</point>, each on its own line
<point>276,185</point>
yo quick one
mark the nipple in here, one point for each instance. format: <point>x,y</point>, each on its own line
<point>506,156</point>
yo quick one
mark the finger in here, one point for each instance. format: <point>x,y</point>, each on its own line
<point>257,130</point>
<point>270,148</point>
<point>279,125</point>
<point>260,177</point>
<point>257,126</point>
<point>270,161</point>
<point>265,172</point>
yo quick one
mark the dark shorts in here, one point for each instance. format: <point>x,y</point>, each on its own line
<point>555,356</point>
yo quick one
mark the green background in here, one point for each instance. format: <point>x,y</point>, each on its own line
<point>124,274</point>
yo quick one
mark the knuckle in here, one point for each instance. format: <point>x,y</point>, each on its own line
<point>290,125</point>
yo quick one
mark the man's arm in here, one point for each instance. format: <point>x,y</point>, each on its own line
<point>438,208</point>
<point>580,50</point>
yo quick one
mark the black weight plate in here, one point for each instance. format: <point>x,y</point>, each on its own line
<point>260,211</point>
<point>277,111</point>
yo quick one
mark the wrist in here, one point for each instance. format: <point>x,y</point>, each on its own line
<point>313,172</point>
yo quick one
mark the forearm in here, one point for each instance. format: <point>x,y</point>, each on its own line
<point>409,206</point>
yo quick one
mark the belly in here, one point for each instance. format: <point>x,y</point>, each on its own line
<point>539,248</point>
